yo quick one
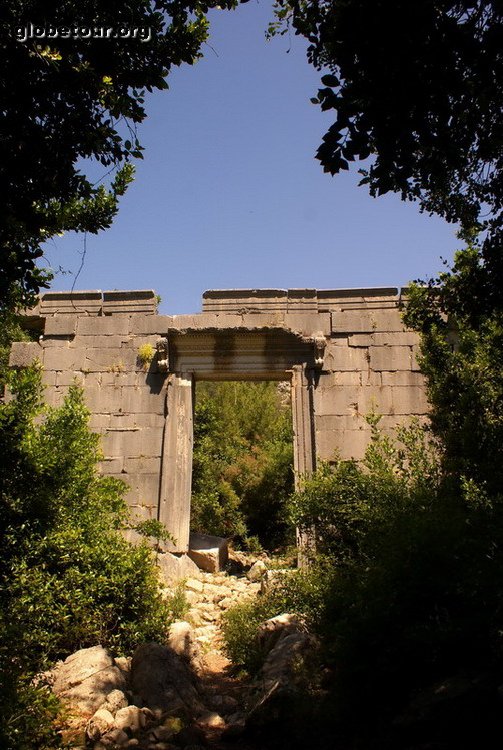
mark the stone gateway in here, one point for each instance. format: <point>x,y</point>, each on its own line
<point>345,352</point>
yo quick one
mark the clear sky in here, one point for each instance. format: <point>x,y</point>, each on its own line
<point>230,195</point>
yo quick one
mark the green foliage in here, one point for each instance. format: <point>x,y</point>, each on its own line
<point>242,466</point>
<point>408,89</point>
<point>10,330</point>
<point>154,529</point>
<point>461,322</point>
<point>71,100</point>
<point>68,579</point>
<point>410,573</point>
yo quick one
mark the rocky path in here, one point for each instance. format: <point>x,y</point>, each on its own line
<point>179,696</point>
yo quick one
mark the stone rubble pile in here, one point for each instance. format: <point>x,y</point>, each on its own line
<point>161,698</point>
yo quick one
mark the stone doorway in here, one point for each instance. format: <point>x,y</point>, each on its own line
<point>219,355</point>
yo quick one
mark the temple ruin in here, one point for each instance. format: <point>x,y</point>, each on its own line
<point>345,351</point>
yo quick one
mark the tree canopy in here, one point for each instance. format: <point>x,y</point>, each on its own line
<point>73,77</point>
<point>419,88</point>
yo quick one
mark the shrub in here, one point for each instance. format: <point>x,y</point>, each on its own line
<point>242,464</point>
<point>69,578</point>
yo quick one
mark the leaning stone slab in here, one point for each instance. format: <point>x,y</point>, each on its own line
<point>174,568</point>
<point>210,553</point>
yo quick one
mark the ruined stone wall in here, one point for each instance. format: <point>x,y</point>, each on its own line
<point>93,339</point>
<point>346,351</point>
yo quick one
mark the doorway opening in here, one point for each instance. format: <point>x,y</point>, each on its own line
<point>243,463</point>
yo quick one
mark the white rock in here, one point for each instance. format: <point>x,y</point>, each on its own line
<point>115,701</point>
<point>193,584</point>
<point>99,724</point>
<point>86,678</point>
<point>130,718</point>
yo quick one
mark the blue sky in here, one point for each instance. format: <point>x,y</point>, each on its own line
<point>230,195</point>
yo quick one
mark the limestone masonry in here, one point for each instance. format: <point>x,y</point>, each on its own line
<point>345,352</point>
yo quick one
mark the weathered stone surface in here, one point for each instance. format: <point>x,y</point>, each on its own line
<point>181,640</point>
<point>104,326</point>
<point>64,358</point>
<point>24,353</point>
<point>130,719</point>
<point>61,325</point>
<point>390,357</point>
<point>160,678</point>
<point>85,679</point>
<point>71,303</point>
<point>99,724</point>
<point>210,553</point>
<point>130,301</point>
<point>369,362</point>
<point>367,321</point>
<point>174,568</point>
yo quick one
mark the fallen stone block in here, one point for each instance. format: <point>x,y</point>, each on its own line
<point>174,568</point>
<point>210,553</point>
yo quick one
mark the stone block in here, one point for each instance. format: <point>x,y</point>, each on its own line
<point>397,338</point>
<point>409,400</point>
<point>69,377</point>
<point>403,377</point>
<point>98,422</point>
<point>130,301</point>
<point>245,300</point>
<point>345,358</point>
<point>334,299</point>
<point>24,353</point>
<point>53,342</point>
<point>148,420</point>
<point>114,378</point>
<point>64,358</point>
<point>60,325</point>
<point>115,359</point>
<point>308,323</point>
<point>174,568</point>
<point>344,444</point>
<point>103,399</point>
<point>390,357</point>
<point>142,325</point>
<point>103,342</point>
<point>54,397</point>
<point>71,303</point>
<point>118,325</point>
<point>415,354</point>
<point>210,553</point>
<point>341,422</point>
<point>372,377</point>
<point>147,489</point>
<point>337,400</point>
<point>367,321</point>
<point>302,299</point>
<point>143,400</point>
<point>112,465</point>
<point>341,378</point>
<point>142,465</point>
<point>49,378</point>
<point>121,442</point>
